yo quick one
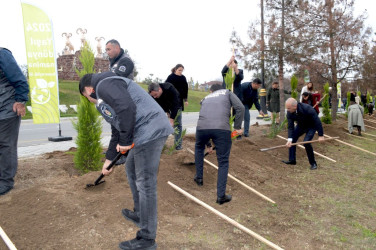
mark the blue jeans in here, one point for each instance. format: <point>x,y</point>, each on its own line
<point>179,127</point>
<point>222,141</point>
<point>247,119</point>
<point>310,133</point>
<point>142,171</point>
<point>9,129</point>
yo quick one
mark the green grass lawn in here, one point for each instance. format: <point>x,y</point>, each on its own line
<point>69,95</point>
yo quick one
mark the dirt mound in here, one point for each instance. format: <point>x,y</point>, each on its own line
<point>49,208</point>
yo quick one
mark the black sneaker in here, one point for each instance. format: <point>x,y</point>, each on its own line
<point>224,199</point>
<point>131,216</point>
<point>138,243</point>
<point>313,166</point>
<point>199,181</point>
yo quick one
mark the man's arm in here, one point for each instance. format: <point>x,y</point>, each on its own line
<point>115,94</point>
<point>14,74</point>
<point>310,111</point>
<point>239,108</point>
<point>125,67</point>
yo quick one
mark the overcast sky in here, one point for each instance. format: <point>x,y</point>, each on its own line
<point>157,33</point>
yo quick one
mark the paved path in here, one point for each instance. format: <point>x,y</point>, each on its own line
<point>33,138</point>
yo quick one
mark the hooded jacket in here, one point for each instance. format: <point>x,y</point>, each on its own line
<point>139,118</point>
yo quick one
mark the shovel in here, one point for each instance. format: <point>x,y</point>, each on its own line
<point>193,163</point>
<point>99,179</point>
<point>298,143</point>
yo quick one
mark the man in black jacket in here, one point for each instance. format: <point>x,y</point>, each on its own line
<point>120,62</point>
<point>308,123</point>
<point>250,97</point>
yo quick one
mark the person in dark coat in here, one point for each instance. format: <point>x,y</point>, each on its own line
<point>120,62</point>
<point>239,76</point>
<point>250,97</point>
<point>308,123</point>
<point>213,124</point>
<point>273,99</point>
<point>14,91</point>
<point>178,80</point>
<point>139,120</point>
<point>168,98</point>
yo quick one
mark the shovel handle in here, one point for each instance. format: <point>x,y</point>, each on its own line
<point>297,143</point>
<point>112,164</point>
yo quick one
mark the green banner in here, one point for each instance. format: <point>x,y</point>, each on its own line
<point>41,64</point>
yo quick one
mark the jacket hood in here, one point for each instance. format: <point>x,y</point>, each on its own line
<point>96,78</point>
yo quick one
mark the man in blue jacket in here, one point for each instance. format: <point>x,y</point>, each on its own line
<point>13,96</point>
<point>308,123</point>
<point>250,97</point>
<point>140,120</point>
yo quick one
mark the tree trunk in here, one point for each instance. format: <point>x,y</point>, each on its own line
<point>333,63</point>
<point>280,67</point>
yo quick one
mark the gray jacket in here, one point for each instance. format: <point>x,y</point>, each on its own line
<point>13,84</point>
<point>134,113</point>
<point>215,111</point>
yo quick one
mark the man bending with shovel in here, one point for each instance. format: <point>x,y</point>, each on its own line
<point>308,123</point>
<point>139,120</point>
<point>213,123</point>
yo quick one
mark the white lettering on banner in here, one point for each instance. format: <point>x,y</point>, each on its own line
<point>41,42</point>
<point>37,55</point>
<point>38,27</point>
<point>41,65</point>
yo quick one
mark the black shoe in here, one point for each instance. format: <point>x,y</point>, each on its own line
<point>5,189</point>
<point>313,166</point>
<point>246,135</point>
<point>138,243</point>
<point>224,199</point>
<point>131,216</point>
<point>289,162</point>
<point>199,181</point>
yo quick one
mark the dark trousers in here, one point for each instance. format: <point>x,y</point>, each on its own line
<point>179,127</point>
<point>310,133</point>
<point>222,141</point>
<point>9,129</point>
<point>142,171</point>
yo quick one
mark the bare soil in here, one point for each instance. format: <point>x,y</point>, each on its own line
<point>49,208</point>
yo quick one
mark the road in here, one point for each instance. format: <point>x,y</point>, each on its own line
<point>33,138</point>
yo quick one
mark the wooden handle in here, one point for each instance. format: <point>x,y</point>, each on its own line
<point>298,143</point>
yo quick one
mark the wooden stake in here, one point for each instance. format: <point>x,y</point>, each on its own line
<point>225,217</point>
<point>297,143</point>
<point>7,241</point>
<point>238,181</point>
<point>317,103</point>
<point>368,134</point>
<point>369,121</point>
<point>360,137</point>
<point>369,126</point>
<point>348,144</point>
<point>300,146</point>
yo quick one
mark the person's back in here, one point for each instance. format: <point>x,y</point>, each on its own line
<point>151,122</point>
<point>215,111</point>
